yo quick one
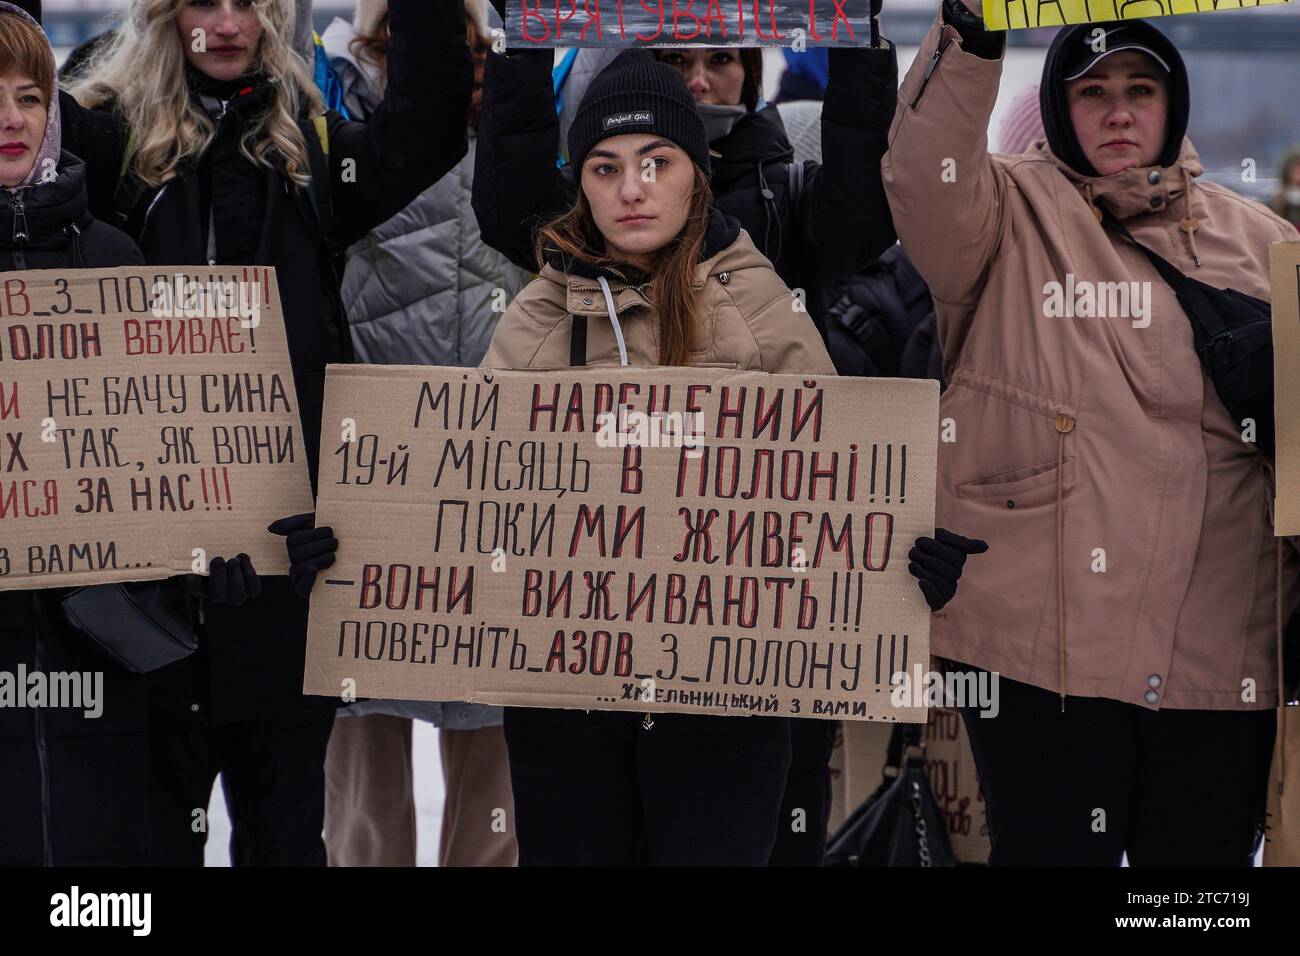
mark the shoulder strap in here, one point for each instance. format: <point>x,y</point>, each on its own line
<point>316,133</point>
<point>322,127</point>
<point>794,184</point>
<point>903,737</point>
<point>578,340</point>
<point>1207,324</point>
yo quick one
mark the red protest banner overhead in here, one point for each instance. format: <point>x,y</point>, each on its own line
<point>630,23</point>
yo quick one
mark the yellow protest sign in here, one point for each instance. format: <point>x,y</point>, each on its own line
<point>1020,14</point>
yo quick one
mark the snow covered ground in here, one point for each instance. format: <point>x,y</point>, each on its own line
<point>429,795</point>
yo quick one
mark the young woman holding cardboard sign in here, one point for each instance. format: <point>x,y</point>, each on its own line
<point>818,223</point>
<point>670,280</point>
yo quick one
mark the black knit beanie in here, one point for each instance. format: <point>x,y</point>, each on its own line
<point>638,94</point>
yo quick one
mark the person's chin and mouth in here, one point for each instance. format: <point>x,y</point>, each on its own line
<point>1116,155</point>
<point>16,159</point>
<point>228,61</point>
<point>638,233</point>
<point>634,235</point>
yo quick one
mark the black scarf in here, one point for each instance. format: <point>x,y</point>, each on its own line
<point>207,90</point>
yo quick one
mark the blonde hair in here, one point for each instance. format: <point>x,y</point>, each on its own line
<point>142,73</point>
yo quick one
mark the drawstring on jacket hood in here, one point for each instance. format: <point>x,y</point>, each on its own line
<point>47,157</point>
<point>770,215</point>
<point>757,140</point>
<point>613,318</point>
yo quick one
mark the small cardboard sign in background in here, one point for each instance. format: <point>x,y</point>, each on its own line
<point>134,431</point>
<point>955,783</point>
<point>1284,262</point>
<point>496,544</point>
<point>650,23</point>
<point>1020,14</point>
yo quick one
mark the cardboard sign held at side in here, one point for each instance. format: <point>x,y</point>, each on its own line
<point>648,539</point>
<point>148,423</point>
<point>1284,262</point>
<point>651,23</point>
<point>1022,14</point>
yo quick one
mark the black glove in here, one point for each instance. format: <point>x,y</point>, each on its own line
<point>228,582</point>
<point>936,564</point>
<point>311,549</point>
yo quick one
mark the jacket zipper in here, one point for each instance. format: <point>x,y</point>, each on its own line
<point>21,237</point>
<point>149,212</point>
<point>42,746</point>
<point>211,251</point>
<point>929,69</point>
<point>153,203</point>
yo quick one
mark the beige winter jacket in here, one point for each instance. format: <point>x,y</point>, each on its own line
<point>747,319</point>
<point>1091,453</point>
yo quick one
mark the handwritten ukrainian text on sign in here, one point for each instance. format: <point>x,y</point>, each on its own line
<point>650,539</point>
<point>148,423</point>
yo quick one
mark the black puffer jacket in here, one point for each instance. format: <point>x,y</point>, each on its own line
<point>74,788</point>
<point>839,223</point>
<point>62,234</point>
<point>250,663</point>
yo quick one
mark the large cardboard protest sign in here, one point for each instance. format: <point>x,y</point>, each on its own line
<point>1284,262</point>
<point>652,539</point>
<point>1021,14</point>
<point>148,422</point>
<point>650,23</point>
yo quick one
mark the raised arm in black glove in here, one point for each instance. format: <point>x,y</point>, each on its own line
<point>311,549</point>
<point>936,564</point>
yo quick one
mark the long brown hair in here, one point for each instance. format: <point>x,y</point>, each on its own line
<point>672,272</point>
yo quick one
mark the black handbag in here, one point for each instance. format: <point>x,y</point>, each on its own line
<point>1234,340</point>
<point>143,625</point>
<point>900,824</point>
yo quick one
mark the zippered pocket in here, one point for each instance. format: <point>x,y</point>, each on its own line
<point>929,71</point>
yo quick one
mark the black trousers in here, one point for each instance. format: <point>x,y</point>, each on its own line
<point>594,788</point>
<point>1103,778</point>
<point>273,778</point>
<point>806,806</point>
